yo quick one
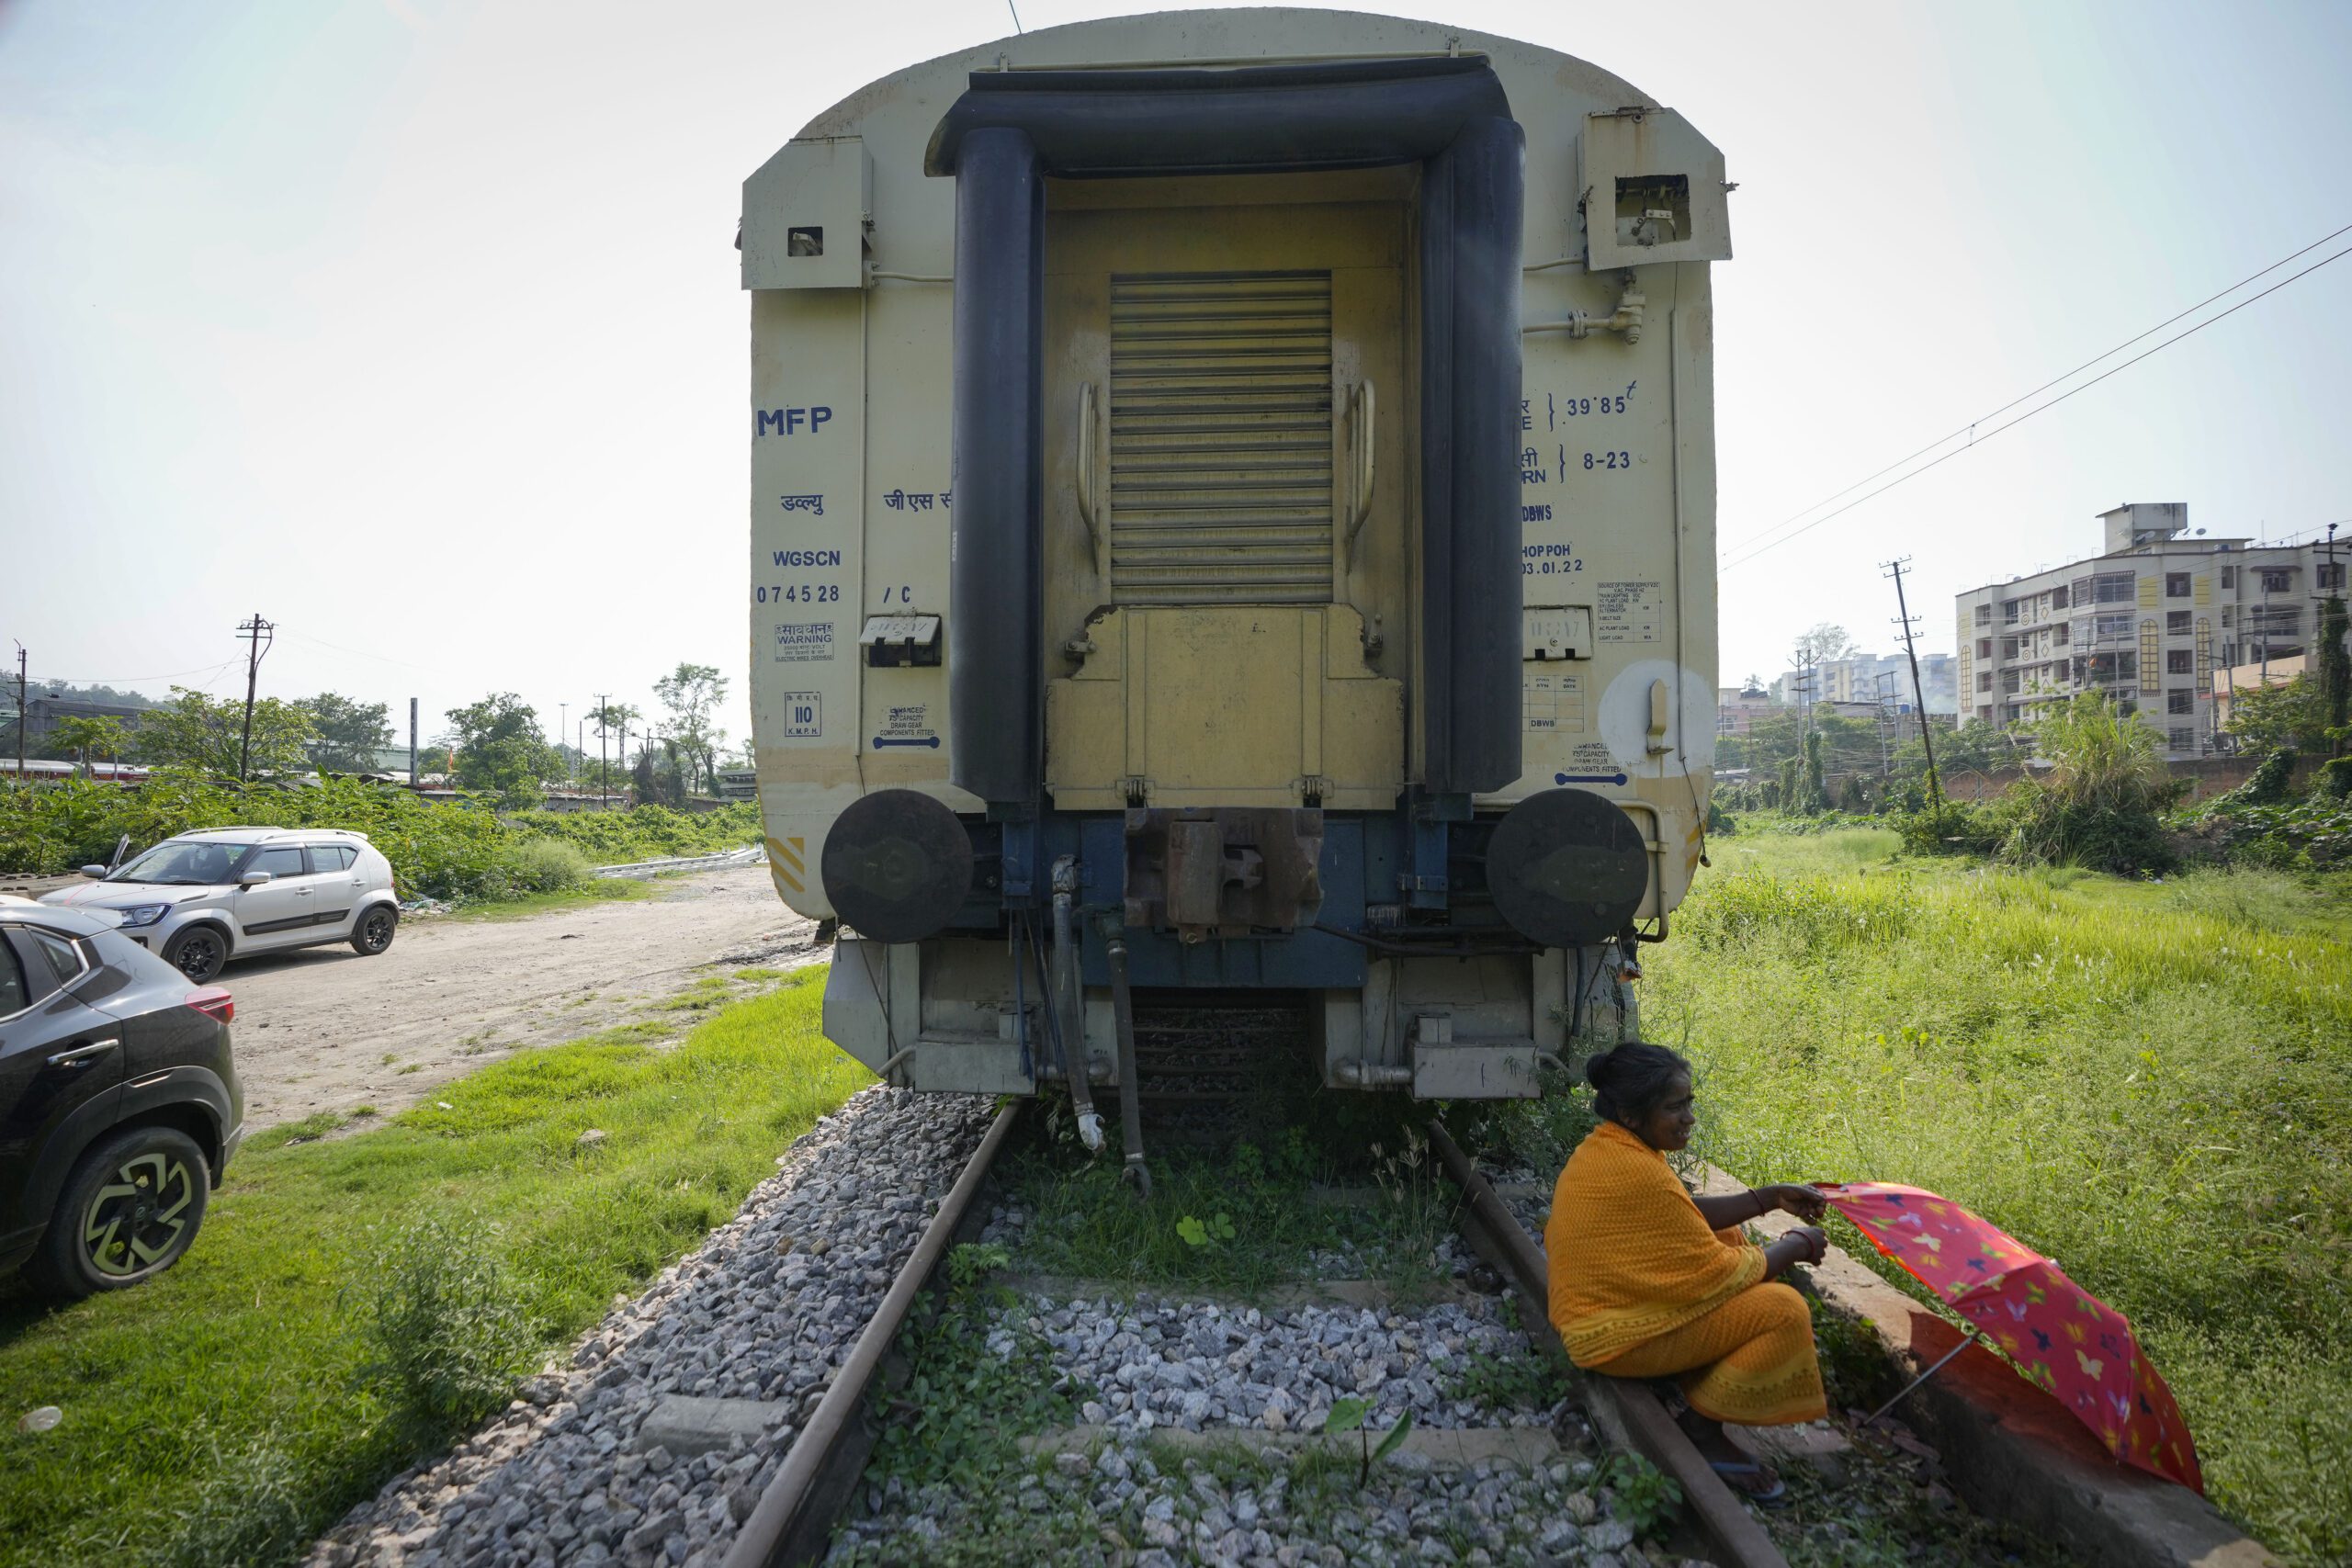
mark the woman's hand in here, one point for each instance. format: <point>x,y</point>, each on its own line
<point>1808,1203</point>
<point>1801,1244</point>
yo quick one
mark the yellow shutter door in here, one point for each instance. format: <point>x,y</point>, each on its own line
<point>1220,443</point>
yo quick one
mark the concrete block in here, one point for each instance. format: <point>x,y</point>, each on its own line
<point>1430,1447</point>
<point>686,1426</point>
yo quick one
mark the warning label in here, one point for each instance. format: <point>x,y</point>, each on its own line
<point>803,642</point>
<point>1629,611</point>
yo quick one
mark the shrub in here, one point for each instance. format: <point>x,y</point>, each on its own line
<point>2269,785</point>
<point>544,865</point>
<point>446,1333</point>
<point>1950,828</point>
<point>2335,780</point>
<point>439,849</point>
<point>2101,802</point>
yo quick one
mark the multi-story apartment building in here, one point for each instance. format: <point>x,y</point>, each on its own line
<point>2146,621</point>
<point>1865,677</point>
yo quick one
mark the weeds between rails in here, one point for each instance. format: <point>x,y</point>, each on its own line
<point>988,1368</point>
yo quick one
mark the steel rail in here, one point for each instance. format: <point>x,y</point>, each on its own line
<point>1633,1413</point>
<point>790,1523</point>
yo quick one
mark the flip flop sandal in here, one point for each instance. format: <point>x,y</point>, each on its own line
<point>1735,1473</point>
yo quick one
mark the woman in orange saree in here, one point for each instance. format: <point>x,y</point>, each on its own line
<point>1648,1282</point>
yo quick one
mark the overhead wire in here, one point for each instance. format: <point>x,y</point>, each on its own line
<point>205,669</point>
<point>360,653</point>
<point>1741,555</point>
<point>2054,380</point>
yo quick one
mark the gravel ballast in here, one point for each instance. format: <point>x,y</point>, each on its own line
<point>765,1310</point>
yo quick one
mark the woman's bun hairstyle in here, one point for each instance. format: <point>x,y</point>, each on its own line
<point>1629,1081</point>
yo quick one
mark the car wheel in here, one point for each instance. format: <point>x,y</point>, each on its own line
<point>375,932</point>
<point>130,1207</point>
<point>197,952</point>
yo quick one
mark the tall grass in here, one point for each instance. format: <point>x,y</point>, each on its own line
<point>2152,1083</point>
<point>318,1338</point>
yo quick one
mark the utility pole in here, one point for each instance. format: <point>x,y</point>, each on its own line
<point>563,723</point>
<point>1918,693</point>
<point>413,782</point>
<point>604,775</point>
<point>20,713</point>
<point>253,631</point>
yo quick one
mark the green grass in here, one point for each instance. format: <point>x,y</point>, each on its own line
<point>1237,1218</point>
<point>225,1391</point>
<point>2150,1081</point>
<point>523,906</point>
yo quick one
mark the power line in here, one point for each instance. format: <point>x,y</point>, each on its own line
<point>1750,553</point>
<point>126,680</point>
<point>2013,403</point>
<point>361,653</point>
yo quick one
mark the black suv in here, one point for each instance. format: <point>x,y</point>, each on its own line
<point>118,1103</point>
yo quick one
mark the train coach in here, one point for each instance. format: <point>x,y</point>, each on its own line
<point>1232,545</point>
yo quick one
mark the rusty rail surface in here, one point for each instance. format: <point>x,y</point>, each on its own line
<point>794,1518</point>
<point>1628,1412</point>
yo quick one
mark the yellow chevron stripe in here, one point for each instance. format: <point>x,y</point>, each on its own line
<point>784,860</point>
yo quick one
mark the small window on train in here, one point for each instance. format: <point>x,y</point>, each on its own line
<point>804,242</point>
<point>1653,209</point>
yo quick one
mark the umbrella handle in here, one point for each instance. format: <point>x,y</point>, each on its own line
<point>1965,1341</point>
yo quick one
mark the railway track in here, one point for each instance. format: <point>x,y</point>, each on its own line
<point>797,1516</point>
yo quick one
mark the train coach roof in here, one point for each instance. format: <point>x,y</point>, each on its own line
<point>1193,40</point>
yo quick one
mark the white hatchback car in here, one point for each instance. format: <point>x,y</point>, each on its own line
<point>202,898</point>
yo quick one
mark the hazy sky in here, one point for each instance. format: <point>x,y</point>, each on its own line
<point>414,324</point>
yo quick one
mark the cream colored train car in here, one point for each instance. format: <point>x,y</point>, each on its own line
<point>1233,550</point>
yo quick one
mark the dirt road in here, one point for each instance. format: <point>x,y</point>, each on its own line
<point>326,1030</point>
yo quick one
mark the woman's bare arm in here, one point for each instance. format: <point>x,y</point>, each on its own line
<point>1737,1207</point>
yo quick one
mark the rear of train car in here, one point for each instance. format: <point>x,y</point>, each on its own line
<point>1233,550</point>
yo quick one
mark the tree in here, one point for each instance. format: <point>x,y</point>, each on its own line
<point>85,737</point>
<point>1822,644</point>
<point>1816,797</point>
<point>194,730</point>
<point>349,733</point>
<point>659,777</point>
<point>2335,673</point>
<point>500,749</point>
<point>2290,713</point>
<point>692,693</point>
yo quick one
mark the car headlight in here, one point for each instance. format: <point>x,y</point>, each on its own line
<point>140,914</point>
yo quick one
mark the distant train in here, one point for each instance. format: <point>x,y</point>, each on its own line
<point>1233,550</point>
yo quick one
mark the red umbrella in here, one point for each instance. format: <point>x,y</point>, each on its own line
<point>2074,1347</point>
